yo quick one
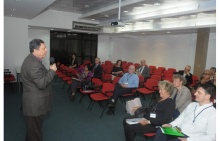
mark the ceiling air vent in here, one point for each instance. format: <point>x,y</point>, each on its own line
<point>85,26</point>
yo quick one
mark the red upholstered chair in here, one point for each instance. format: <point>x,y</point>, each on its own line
<point>137,65</point>
<point>104,95</point>
<point>150,87</point>
<point>108,69</point>
<point>107,62</point>
<point>129,63</point>
<point>152,68</point>
<point>161,68</point>
<point>8,77</point>
<point>107,78</point>
<point>171,69</point>
<point>115,80</point>
<point>141,81</point>
<point>97,86</point>
<point>195,80</point>
<point>168,75</point>
<point>148,135</point>
<point>157,77</point>
<point>158,73</point>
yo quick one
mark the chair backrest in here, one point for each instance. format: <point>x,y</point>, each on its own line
<point>195,79</point>
<point>96,81</point>
<point>152,68</point>
<point>129,63</point>
<point>157,77</point>
<point>151,84</point>
<point>168,75</point>
<point>161,68</point>
<point>171,69</point>
<point>107,77</point>
<point>108,62</point>
<point>137,65</point>
<point>141,78</point>
<point>115,80</point>
<point>107,87</point>
<point>158,73</point>
<point>169,79</point>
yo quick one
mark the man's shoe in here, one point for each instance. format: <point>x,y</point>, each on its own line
<point>72,97</point>
<point>111,105</point>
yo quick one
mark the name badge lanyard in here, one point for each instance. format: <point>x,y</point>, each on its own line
<point>199,112</point>
<point>129,77</point>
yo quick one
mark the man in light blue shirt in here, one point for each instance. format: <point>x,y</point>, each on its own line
<point>127,82</point>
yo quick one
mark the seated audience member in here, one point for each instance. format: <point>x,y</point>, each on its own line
<point>206,79</point>
<point>74,63</point>
<point>181,94</point>
<point>144,70</point>
<point>97,69</point>
<point>126,83</point>
<point>159,113</point>
<point>118,70</point>
<point>186,73</point>
<point>213,76</point>
<point>83,76</point>
<point>198,120</point>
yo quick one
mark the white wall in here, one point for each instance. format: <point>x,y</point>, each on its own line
<point>45,36</point>
<point>15,42</point>
<point>211,55</point>
<point>175,51</point>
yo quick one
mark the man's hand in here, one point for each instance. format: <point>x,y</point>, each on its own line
<point>167,125</point>
<point>53,67</point>
<point>144,122</point>
<point>183,139</point>
<point>124,85</point>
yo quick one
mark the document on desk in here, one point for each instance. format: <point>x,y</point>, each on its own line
<point>134,120</point>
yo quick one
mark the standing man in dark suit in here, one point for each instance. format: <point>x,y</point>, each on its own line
<point>37,90</point>
<point>186,73</point>
<point>97,69</point>
<point>144,70</point>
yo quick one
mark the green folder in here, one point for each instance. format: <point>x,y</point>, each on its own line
<point>174,131</point>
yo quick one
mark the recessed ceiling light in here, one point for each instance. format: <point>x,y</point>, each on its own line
<point>11,15</point>
<point>51,29</point>
<point>106,15</point>
<point>142,33</point>
<point>125,11</point>
<point>12,9</point>
<point>168,32</point>
<point>17,0</point>
<point>92,19</point>
<point>156,4</point>
<point>86,6</point>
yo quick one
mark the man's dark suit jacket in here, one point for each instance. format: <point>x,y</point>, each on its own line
<point>97,72</point>
<point>37,90</point>
<point>188,78</point>
<point>146,72</point>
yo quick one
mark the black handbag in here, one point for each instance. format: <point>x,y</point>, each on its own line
<point>140,112</point>
<point>87,85</point>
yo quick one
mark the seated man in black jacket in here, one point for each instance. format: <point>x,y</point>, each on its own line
<point>97,69</point>
<point>186,73</point>
<point>160,113</point>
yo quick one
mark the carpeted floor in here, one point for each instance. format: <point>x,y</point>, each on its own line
<point>68,120</point>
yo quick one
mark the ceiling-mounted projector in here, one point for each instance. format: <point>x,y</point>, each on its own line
<point>118,23</point>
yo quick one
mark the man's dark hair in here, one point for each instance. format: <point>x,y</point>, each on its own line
<point>35,44</point>
<point>209,89</point>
